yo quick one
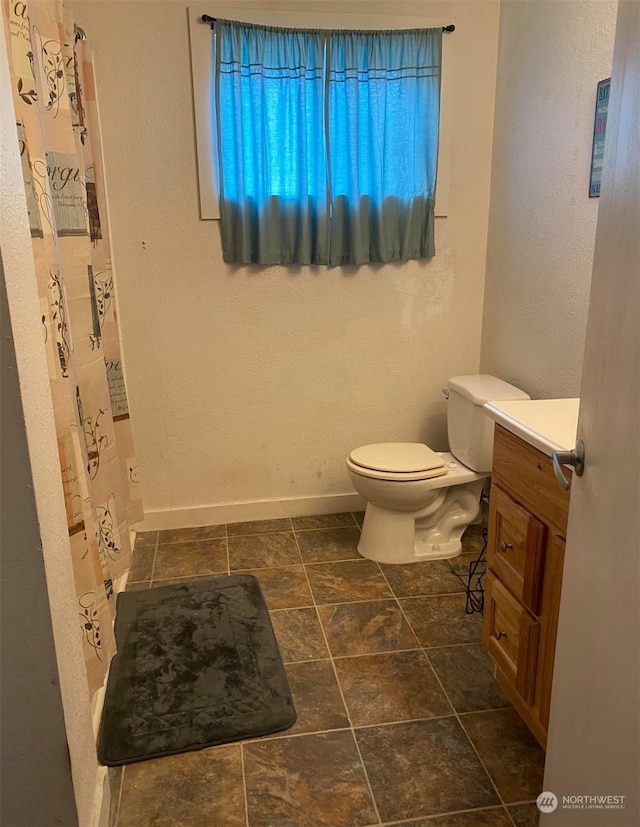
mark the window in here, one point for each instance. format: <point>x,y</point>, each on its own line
<point>344,87</point>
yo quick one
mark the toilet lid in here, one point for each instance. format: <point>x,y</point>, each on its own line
<point>397,457</point>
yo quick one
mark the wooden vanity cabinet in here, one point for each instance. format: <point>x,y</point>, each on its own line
<point>528,513</point>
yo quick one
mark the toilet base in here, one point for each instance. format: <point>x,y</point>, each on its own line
<point>410,537</point>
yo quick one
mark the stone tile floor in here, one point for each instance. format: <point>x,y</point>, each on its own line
<point>399,718</point>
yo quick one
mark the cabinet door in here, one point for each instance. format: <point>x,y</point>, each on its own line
<point>516,548</point>
<point>551,604</point>
<point>510,636</point>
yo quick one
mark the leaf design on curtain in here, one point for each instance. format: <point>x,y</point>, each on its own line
<point>28,97</point>
<point>95,230</point>
<point>76,104</point>
<point>105,537</point>
<point>101,295</point>
<point>52,62</point>
<point>96,335</point>
<point>96,442</point>
<point>106,530</point>
<point>104,294</point>
<point>89,622</point>
<point>59,320</point>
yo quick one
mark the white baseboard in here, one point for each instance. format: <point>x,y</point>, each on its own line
<point>161,519</point>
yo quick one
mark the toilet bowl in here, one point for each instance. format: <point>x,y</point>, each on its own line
<point>419,501</point>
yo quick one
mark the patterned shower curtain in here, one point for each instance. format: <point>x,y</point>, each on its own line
<point>59,140</point>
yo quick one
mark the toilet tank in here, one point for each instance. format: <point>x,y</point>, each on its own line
<point>470,429</point>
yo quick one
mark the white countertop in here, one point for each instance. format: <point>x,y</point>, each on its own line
<point>547,424</point>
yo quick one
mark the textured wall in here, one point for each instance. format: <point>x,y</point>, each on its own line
<point>32,737</point>
<point>542,222</point>
<point>246,383</point>
<point>24,309</point>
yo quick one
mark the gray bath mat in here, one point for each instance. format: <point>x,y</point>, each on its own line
<point>197,665</point>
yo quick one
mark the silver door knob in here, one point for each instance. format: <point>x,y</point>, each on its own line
<point>498,634</point>
<point>504,546</point>
<point>575,458</point>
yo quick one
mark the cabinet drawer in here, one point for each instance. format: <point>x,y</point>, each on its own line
<point>528,476</point>
<point>510,636</point>
<point>516,548</point>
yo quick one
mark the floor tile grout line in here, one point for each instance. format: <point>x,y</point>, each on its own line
<point>482,764</point>
<point>392,595</point>
<point>244,786</point>
<point>370,600</point>
<point>296,531</point>
<point>435,817</point>
<point>462,727</point>
<point>279,531</point>
<point>192,576</point>
<point>344,702</point>
<point>426,595</point>
<point>455,713</point>
<point>153,562</point>
<point>192,540</point>
<point>449,645</point>
<point>321,563</point>
<point>473,747</point>
<point>483,711</point>
<point>360,654</point>
<point>290,565</point>
<point>352,728</point>
<point>258,533</point>
<point>284,734</point>
<point>397,599</point>
<point>516,804</point>
<point>509,816</point>
<point>257,571</point>
<point>315,608</point>
<point>406,617</point>
<point>306,563</point>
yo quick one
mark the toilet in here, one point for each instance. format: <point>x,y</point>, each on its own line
<point>419,501</point>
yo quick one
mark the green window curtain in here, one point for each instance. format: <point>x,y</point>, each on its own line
<point>383,102</point>
<point>328,144</point>
<point>273,168</point>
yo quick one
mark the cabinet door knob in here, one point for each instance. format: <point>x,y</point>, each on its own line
<point>504,546</point>
<point>498,634</point>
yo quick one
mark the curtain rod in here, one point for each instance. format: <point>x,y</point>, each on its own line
<point>208,19</point>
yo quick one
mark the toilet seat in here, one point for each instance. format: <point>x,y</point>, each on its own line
<point>397,461</point>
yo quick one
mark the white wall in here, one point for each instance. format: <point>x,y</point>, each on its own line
<point>542,222</point>
<point>24,309</point>
<point>249,384</point>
